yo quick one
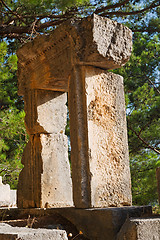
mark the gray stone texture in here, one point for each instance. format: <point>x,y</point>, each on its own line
<point>107,139</point>
<point>23,233</point>
<point>140,229</point>
<point>95,223</point>
<point>111,42</point>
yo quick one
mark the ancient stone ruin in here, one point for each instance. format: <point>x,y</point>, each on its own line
<point>75,59</point>
<point>94,193</point>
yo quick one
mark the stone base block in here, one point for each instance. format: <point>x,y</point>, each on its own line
<point>95,223</point>
<point>102,223</point>
<point>20,233</point>
<point>140,229</point>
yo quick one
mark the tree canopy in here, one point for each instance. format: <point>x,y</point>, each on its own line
<point>26,18</point>
<point>21,21</point>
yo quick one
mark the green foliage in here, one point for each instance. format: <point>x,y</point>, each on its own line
<point>143,172</point>
<point>12,142</point>
<point>64,4</point>
<point>142,88</point>
<point>12,130</point>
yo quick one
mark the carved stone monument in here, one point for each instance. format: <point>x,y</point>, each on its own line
<point>75,58</point>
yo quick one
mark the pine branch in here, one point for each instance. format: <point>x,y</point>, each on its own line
<point>118,13</point>
<point>12,12</point>
<point>152,83</point>
<point>120,4</point>
<point>144,30</point>
<point>12,31</point>
<point>143,141</point>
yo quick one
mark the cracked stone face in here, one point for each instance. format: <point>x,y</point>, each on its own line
<point>108,149</point>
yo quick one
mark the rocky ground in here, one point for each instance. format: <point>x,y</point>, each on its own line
<point>50,222</point>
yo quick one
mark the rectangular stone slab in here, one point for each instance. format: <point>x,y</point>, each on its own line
<point>20,233</point>
<point>45,180</point>
<point>107,139</point>
<point>95,223</point>
<point>46,111</point>
<point>140,229</point>
<point>99,156</point>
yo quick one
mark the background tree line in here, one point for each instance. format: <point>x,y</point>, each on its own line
<point>21,21</point>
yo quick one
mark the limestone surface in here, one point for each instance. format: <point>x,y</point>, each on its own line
<point>46,111</point>
<point>23,233</point>
<point>107,139</point>
<point>56,178</point>
<point>140,229</point>
<point>111,42</point>
<point>45,180</point>
<point>47,62</point>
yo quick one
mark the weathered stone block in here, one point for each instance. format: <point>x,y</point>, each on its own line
<point>46,111</point>
<point>99,156</point>
<point>108,44</point>
<point>95,223</point>
<point>107,139</point>
<point>4,194</point>
<point>47,62</point>
<point>140,229</point>
<point>45,180</point>
<point>56,178</point>
<point>20,233</point>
